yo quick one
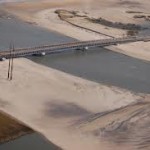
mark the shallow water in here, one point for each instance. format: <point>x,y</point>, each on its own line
<point>29,142</point>
<point>25,35</point>
<point>103,66</point>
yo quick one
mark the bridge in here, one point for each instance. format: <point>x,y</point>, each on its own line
<point>58,48</point>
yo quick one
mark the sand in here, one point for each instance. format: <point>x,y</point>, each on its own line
<point>69,111</point>
<point>42,14</point>
<point>54,103</point>
<point>140,50</point>
<point>50,20</point>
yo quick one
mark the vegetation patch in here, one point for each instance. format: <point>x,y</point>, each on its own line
<point>118,25</point>
<point>146,17</point>
<point>11,129</point>
<point>134,12</point>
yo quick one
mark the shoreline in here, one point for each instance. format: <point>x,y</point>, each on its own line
<point>81,99</point>
<point>45,17</point>
<point>11,129</point>
<point>77,99</point>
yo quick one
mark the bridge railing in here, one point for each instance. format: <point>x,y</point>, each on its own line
<point>66,46</point>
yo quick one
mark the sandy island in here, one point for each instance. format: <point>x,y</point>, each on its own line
<point>66,109</point>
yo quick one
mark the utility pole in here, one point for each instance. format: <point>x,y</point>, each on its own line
<point>11,63</point>
<point>9,66</point>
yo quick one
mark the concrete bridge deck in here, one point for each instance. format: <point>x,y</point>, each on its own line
<point>57,48</point>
